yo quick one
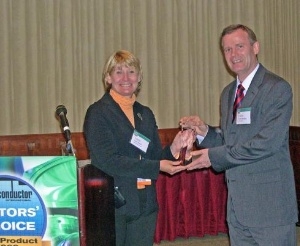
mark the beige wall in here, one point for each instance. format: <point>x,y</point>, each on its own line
<point>52,52</point>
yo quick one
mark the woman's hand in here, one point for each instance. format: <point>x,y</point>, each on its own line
<point>171,167</point>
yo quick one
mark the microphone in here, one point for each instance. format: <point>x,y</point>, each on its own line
<point>61,112</point>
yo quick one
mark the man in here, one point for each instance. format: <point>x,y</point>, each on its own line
<point>251,146</point>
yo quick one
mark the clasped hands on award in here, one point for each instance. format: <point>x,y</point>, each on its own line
<point>200,158</point>
<point>182,147</point>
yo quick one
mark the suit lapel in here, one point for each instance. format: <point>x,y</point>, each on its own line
<point>254,87</point>
<point>138,116</point>
<point>231,97</point>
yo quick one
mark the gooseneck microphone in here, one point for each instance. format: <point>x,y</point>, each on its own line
<point>61,113</point>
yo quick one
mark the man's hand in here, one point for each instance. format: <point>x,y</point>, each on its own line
<point>194,122</point>
<point>202,161</point>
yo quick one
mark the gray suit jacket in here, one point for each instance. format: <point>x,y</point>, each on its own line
<point>256,156</point>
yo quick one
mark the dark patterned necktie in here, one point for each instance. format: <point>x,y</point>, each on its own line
<point>238,100</point>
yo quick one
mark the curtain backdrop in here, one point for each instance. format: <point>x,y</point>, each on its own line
<point>52,52</point>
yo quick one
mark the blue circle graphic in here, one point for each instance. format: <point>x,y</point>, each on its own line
<point>22,210</point>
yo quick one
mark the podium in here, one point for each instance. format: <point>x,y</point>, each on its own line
<point>96,200</point>
<point>51,201</point>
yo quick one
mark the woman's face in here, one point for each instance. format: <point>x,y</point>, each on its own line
<point>124,80</point>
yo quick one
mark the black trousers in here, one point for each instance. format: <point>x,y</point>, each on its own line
<point>135,231</point>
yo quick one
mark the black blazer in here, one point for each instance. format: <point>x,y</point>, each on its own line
<point>108,133</point>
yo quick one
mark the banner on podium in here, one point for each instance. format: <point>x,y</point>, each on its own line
<point>39,201</point>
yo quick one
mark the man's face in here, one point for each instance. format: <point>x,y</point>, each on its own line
<point>240,55</point>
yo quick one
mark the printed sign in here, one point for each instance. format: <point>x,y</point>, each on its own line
<point>38,201</point>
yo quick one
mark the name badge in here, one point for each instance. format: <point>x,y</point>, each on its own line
<point>243,116</point>
<point>140,141</point>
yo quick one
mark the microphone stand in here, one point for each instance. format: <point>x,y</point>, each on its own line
<point>70,151</point>
<point>67,148</point>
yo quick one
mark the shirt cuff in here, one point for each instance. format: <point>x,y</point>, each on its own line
<point>199,138</point>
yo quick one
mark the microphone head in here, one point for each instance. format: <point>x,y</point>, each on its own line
<point>60,109</point>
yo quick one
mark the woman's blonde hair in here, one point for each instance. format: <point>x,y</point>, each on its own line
<point>121,57</point>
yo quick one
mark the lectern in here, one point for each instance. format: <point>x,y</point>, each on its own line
<point>55,201</point>
<point>96,206</point>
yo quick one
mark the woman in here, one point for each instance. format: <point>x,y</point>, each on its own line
<point>122,137</point>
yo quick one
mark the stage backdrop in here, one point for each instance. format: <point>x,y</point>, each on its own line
<point>38,201</point>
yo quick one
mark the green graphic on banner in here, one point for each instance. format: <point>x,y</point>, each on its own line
<point>55,182</point>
